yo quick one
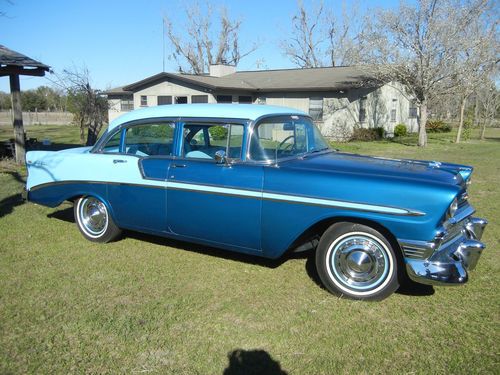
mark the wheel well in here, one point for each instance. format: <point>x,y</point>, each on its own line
<point>74,198</point>
<point>310,237</point>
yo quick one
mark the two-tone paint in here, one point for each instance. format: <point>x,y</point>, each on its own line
<point>261,208</point>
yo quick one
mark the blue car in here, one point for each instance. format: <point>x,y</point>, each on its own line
<point>262,180</point>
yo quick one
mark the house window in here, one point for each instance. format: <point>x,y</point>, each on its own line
<point>261,100</point>
<point>243,99</point>
<point>394,110</point>
<point>181,100</point>
<point>144,101</point>
<point>163,100</point>
<point>316,108</point>
<point>127,105</point>
<point>413,109</point>
<point>199,98</point>
<point>362,109</point>
<point>224,99</point>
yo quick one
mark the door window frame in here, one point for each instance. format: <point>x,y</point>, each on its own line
<point>215,122</point>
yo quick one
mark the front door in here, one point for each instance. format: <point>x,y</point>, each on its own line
<point>218,203</point>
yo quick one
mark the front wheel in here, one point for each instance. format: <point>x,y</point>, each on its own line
<point>356,261</point>
<point>93,220</point>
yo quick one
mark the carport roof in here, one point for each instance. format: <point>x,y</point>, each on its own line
<point>12,62</point>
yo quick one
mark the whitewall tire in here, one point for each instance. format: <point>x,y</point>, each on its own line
<point>356,261</point>
<point>94,221</point>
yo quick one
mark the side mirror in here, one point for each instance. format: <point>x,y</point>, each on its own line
<point>220,157</point>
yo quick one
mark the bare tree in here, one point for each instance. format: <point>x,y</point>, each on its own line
<point>489,100</point>
<point>477,59</point>
<point>88,105</point>
<point>205,44</point>
<point>419,45</point>
<point>321,37</point>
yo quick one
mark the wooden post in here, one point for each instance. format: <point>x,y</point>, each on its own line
<point>15,89</point>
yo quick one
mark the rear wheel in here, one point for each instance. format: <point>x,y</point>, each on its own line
<point>357,261</point>
<point>93,220</point>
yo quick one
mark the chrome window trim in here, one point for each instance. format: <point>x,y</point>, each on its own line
<point>256,122</point>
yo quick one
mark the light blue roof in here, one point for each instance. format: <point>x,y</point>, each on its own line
<point>234,111</point>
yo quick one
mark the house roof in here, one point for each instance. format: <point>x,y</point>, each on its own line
<point>229,111</point>
<point>314,79</point>
<point>12,62</point>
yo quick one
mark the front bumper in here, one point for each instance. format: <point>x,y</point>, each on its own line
<point>447,260</point>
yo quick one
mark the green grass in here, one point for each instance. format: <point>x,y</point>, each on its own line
<point>146,304</point>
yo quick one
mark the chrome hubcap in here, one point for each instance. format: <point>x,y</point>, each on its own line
<point>94,216</point>
<point>359,262</point>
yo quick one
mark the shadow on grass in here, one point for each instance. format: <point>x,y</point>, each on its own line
<point>411,288</point>
<point>407,287</point>
<point>63,215</point>
<point>208,250</point>
<point>250,362</point>
<point>67,216</point>
<point>8,204</point>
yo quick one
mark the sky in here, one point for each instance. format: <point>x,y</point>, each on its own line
<point>121,41</point>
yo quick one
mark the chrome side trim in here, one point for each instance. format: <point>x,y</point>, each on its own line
<point>247,193</point>
<point>417,249</point>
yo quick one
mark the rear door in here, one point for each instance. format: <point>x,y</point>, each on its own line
<point>138,170</point>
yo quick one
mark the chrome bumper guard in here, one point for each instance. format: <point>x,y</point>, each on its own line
<point>447,260</point>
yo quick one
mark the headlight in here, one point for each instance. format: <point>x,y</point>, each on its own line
<point>452,209</point>
<point>469,181</point>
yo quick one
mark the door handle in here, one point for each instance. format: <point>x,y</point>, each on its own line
<point>115,161</point>
<point>178,165</point>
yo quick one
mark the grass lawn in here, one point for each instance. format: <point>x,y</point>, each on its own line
<point>150,305</point>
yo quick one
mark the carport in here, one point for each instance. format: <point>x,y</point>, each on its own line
<point>14,64</point>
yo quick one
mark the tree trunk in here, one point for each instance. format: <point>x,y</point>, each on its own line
<point>483,130</point>
<point>476,111</point>
<point>15,89</point>
<point>422,121</point>
<point>461,121</point>
<point>82,130</point>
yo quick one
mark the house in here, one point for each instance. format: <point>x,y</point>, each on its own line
<point>339,99</point>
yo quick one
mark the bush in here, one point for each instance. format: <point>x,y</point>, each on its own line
<point>363,134</point>
<point>400,130</point>
<point>437,126</point>
<point>467,129</point>
<point>218,132</point>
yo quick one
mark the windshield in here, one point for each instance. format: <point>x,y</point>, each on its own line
<point>280,137</point>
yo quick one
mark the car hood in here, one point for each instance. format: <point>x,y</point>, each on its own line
<point>437,172</point>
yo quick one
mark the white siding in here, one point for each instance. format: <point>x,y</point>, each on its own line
<point>340,109</point>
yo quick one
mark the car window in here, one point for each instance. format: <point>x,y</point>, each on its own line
<point>203,141</point>
<point>284,136</point>
<point>150,139</point>
<point>113,144</point>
